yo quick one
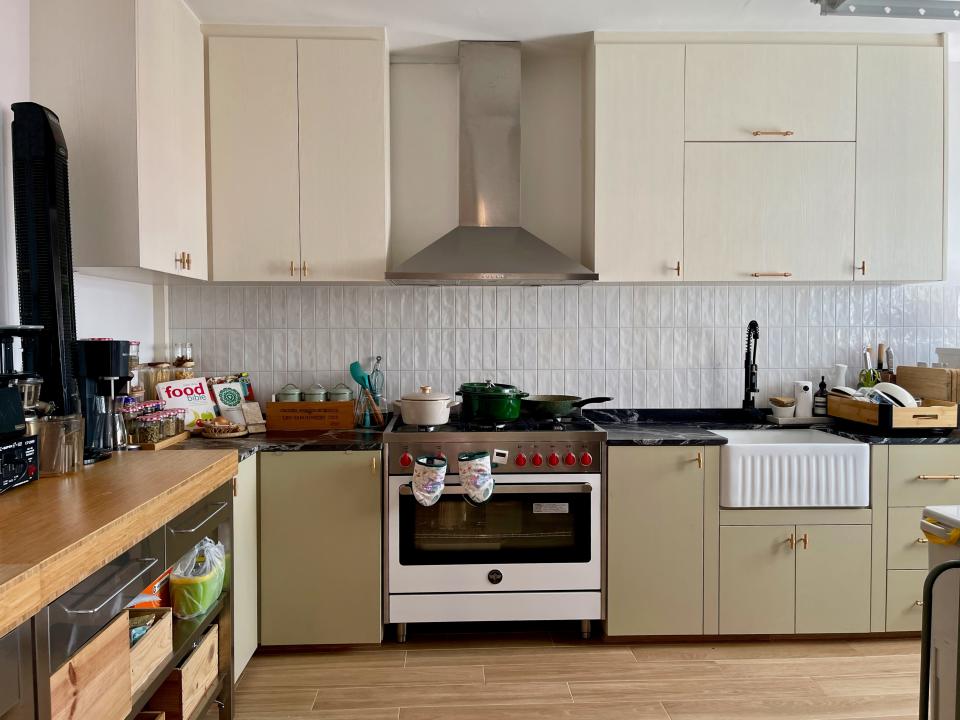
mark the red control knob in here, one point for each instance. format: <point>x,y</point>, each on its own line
<point>537,459</point>
<point>554,459</point>
<point>586,459</point>
<point>570,459</point>
<point>520,460</point>
<point>406,459</point>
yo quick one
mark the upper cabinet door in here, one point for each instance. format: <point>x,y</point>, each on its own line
<point>900,164</point>
<point>638,191</point>
<point>769,209</point>
<point>735,91</point>
<point>254,186</point>
<point>343,163</point>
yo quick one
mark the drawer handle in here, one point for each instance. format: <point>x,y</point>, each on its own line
<point>771,274</point>
<point>937,477</point>
<point>925,417</point>
<point>777,133</point>
<point>921,541</point>
<point>699,461</point>
<point>91,611</point>
<point>546,489</point>
<point>208,518</point>
<point>918,603</point>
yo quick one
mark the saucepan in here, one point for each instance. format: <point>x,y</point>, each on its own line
<point>554,406</point>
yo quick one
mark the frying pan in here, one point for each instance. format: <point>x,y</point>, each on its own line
<point>553,406</point>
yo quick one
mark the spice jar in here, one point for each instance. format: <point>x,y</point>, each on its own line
<point>150,430</point>
<point>168,420</point>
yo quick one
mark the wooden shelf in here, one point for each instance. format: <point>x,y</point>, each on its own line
<point>186,636</point>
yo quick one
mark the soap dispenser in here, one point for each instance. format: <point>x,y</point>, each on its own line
<point>820,399</point>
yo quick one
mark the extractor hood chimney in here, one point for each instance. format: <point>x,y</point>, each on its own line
<point>489,246</point>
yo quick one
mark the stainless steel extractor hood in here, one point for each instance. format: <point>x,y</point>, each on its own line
<point>489,245</point>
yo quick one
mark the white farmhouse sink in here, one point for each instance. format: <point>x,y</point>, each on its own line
<point>792,468</point>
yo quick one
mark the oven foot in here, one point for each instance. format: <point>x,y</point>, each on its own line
<point>585,626</point>
<point>401,632</point>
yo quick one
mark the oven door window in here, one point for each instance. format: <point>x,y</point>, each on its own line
<point>508,528</point>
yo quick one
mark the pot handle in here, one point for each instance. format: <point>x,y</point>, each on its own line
<point>453,403</point>
<point>591,401</point>
<point>522,395</point>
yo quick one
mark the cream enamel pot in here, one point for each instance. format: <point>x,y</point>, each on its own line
<point>426,407</point>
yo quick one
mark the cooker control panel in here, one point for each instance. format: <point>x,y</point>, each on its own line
<point>506,457</point>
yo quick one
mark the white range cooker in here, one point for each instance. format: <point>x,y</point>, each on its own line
<point>533,551</point>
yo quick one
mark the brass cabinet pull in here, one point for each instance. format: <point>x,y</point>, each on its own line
<point>918,603</point>
<point>304,270</point>
<point>189,261</point>
<point>700,461</point>
<point>938,477</point>
<point>922,540</point>
<point>677,268</point>
<point>181,260</point>
<point>373,464</point>
<point>292,266</point>
<point>771,274</point>
<point>778,133</point>
<point>803,539</point>
<point>791,541</point>
<point>862,267</point>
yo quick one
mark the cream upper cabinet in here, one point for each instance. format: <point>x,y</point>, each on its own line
<point>637,202</point>
<point>739,92</point>
<point>900,164</point>
<point>655,541</point>
<point>343,159</point>
<point>769,211</point>
<point>254,159</point>
<point>126,80</point>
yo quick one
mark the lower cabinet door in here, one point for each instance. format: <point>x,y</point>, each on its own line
<point>655,541</point>
<point>245,566</point>
<point>320,540</point>
<point>757,580</point>
<point>833,579</point>
<point>904,595</point>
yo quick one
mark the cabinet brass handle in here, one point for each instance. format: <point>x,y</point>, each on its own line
<point>189,261</point>
<point>304,270</point>
<point>700,461</point>
<point>373,464</point>
<point>677,268</point>
<point>938,477</point>
<point>805,540</point>
<point>922,540</point>
<point>778,133</point>
<point>292,265</point>
<point>181,260</point>
<point>918,603</point>
<point>791,542</point>
<point>862,267</point>
<point>771,274</point>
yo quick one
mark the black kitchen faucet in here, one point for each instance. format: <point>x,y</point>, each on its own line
<point>750,365</point>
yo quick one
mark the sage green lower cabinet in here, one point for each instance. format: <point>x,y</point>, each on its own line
<point>756,580</point>
<point>833,579</point>
<point>655,567</point>
<point>320,544</point>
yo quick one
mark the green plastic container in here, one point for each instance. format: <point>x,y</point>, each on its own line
<point>193,596</point>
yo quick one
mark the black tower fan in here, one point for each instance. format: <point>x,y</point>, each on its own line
<point>41,198</point>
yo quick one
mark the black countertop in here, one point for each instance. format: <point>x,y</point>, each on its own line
<point>637,427</point>
<point>289,442</point>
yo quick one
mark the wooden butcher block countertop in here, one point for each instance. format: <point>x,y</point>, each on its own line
<point>58,530</point>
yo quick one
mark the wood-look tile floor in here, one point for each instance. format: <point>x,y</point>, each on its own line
<point>540,676</point>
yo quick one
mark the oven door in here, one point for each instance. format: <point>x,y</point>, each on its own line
<point>536,533</point>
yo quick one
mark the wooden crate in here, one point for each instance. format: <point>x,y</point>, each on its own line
<point>932,414</point>
<point>95,682</point>
<point>153,649</point>
<point>300,416</point>
<point>186,686</point>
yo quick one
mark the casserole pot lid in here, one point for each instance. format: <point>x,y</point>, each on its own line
<point>316,388</point>
<point>426,393</point>
<point>490,388</point>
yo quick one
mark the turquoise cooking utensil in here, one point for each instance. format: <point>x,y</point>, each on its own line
<point>357,373</point>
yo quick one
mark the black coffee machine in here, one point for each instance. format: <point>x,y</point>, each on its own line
<point>102,369</point>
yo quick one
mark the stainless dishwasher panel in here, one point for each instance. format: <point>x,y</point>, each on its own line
<point>205,519</point>
<point>84,610</point>
<point>11,692</point>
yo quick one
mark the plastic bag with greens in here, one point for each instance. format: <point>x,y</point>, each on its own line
<point>197,579</point>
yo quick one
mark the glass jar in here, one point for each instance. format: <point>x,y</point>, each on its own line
<point>185,371</point>
<point>150,431</point>
<point>134,355</point>
<point>168,419</point>
<point>181,417</point>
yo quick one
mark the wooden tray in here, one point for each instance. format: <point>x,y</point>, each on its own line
<point>931,414</point>
<point>297,416</point>
<point>929,383</point>
<point>166,442</point>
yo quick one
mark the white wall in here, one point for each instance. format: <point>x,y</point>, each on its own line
<point>14,87</point>
<point>116,309</point>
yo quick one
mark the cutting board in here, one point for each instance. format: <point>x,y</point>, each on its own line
<point>929,383</point>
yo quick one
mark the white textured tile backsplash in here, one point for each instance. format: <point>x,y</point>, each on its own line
<point>644,345</point>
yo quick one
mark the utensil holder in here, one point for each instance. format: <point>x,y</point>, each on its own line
<point>367,411</point>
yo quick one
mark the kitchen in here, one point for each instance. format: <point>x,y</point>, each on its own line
<point>483,207</point>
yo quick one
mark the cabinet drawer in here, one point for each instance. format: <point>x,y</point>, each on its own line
<point>95,682</point>
<point>88,607</point>
<point>185,687</point>
<point>205,519</point>
<point>906,544</point>
<point>922,475</point>
<point>904,591</point>
<point>151,650</point>
<point>733,91</point>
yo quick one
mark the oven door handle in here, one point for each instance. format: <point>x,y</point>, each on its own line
<point>513,489</point>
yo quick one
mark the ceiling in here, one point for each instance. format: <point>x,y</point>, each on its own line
<point>425,25</point>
